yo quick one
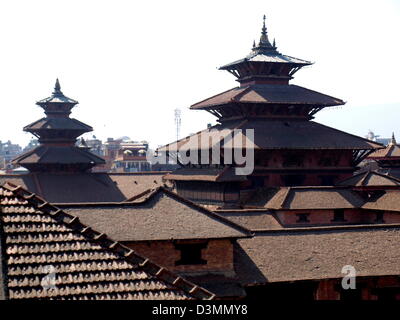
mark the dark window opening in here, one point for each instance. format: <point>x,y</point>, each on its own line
<point>302,217</point>
<point>386,294</point>
<point>297,291</point>
<point>293,159</point>
<point>351,294</point>
<point>293,180</point>
<point>379,217</point>
<point>338,215</point>
<point>190,254</point>
<point>257,181</point>
<point>328,180</point>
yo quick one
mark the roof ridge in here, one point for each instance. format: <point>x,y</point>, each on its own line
<point>288,189</point>
<point>354,227</point>
<point>116,247</point>
<point>237,96</point>
<point>387,176</point>
<point>366,174</point>
<point>206,211</point>
<point>349,178</point>
<point>364,178</point>
<point>139,195</point>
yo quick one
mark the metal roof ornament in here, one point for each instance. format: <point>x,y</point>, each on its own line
<point>264,42</point>
<point>57,88</point>
<point>393,140</point>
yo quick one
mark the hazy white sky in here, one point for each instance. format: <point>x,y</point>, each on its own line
<point>131,63</point>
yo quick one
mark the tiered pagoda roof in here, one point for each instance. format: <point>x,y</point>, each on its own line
<point>265,63</point>
<point>277,134</point>
<point>264,89</point>
<point>266,102</point>
<point>57,133</point>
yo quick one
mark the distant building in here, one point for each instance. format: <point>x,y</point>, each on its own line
<point>33,143</point>
<point>373,137</point>
<point>125,155</point>
<point>131,157</point>
<point>8,151</point>
<point>95,146</point>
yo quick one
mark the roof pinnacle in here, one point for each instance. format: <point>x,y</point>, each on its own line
<point>57,88</point>
<point>264,17</point>
<point>264,42</point>
<point>393,140</point>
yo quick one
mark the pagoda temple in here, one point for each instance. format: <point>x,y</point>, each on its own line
<point>57,134</point>
<point>289,148</point>
<point>60,168</point>
<point>388,159</point>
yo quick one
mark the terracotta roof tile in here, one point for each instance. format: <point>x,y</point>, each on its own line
<point>317,254</point>
<point>268,135</point>
<point>163,215</point>
<point>57,155</point>
<point>253,220</point>
<point>58,123</point>
<point>272,94</point>
<point>391,151</point>
<point>86,187</point>
<point>389,201</point>
<point>205,174</point>
<point>314,198</point>
<point>370,179</point>
<point>40,238</point>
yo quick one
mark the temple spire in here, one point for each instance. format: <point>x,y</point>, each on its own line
<point>393,140</point>
<point>57,88</point>
<point>264,42</point>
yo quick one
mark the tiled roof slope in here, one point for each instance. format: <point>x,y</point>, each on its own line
<point>252,219</point>
<point>205,174</point>
<point>163,215</point>
<point>390,201</point>
<point>277,256</point>
<point>57,155</point>
<point>370,179</point>
<point>87,264</point>
<point>314,198</point>
<point>275,134</point>
<point>86,187</point>
<point>269,94</point>
<point>58,123</point>
<point>392,151</point>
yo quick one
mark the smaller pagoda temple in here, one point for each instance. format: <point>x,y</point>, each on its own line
<point>57,134</point>
<point>388,159</point>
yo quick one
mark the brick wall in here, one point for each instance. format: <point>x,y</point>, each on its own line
<point>218,254</point>
<point>370,288</point>
<point>325,217</point>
